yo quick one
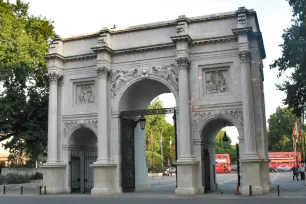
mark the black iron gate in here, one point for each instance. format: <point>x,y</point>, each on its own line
<point>128,155</point>
<point>79,159</point>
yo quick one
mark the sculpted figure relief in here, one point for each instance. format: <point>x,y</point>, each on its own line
<point>216,82</point>
<point>167,71</point>
<point>86,94</point>
<point>120,77</point>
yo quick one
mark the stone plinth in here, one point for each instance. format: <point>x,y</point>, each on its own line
<point>104,178</point>
<point>54,177</point>
<point>187,177</point>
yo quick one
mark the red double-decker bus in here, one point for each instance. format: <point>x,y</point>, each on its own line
<point>223,163</point>
<point>277,159</point>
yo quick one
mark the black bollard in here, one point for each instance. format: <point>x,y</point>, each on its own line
<point>40,190</point>
<point>278,190</point>
<point>21,190</point>
<point>250,190</point>
<point>45,190</point>
<point>3,189</point>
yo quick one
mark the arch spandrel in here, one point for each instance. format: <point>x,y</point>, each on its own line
<point>72,125</point>
<point>122,79</point>
<point>201,118</point>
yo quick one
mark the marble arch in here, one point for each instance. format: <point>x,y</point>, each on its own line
<point>213,66</point>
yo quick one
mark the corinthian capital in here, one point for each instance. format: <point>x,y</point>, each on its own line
<point>53,77</point>
<point>183,62</point>
<point>103,71</point>
<point>244,55</point>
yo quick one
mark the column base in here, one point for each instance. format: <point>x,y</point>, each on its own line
<point>254,175</point>
<point>54,177</point>
<point>104,178</point>
<point>187,177</point>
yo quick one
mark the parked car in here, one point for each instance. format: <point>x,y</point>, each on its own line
<point>272,169</point>
<point>284,168</point>
<point>234,167</point>
<point>170,171</point>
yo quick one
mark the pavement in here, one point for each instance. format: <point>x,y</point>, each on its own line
<point>162,189</point>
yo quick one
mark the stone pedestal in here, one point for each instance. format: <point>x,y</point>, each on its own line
<point>252,172</point>
<point>54,178</point>
<point>187,177</point>
<point>104,178</point>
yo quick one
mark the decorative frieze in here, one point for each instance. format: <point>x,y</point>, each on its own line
<point>70,125</point>
<point>102,70</point>
<point>216,82</point>
<point>197,117</point>
<point>242,15</point>
<point>85,94</point>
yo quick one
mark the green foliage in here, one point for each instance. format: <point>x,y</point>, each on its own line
<point>37,176</point>
<point>294,56</point>
<point>154,161</point>
<point>231,149</point>
<point>161,131</point>
<point>24,100</point>
<point>281,124</point>
<point>14,179</point>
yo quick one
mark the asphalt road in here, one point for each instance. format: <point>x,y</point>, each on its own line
<point>162,190</point>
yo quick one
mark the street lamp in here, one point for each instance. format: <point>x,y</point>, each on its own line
<point>225,140</point>
<point>142,122</point>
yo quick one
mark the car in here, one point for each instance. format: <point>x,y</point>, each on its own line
<point>170,171</point>
<point>284,168</point>
<point>272,169</point>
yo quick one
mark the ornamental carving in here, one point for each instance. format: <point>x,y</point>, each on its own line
<point>103,70</point>
<point>183,62</point>
<point>244,55</point>
<point>85,94</point>
<point>216,82</point>
<point>120,77</point>
<point>236,114</point>
<point>145,71</point>
<point>53,77</point>
<point>69,125</point>
<point>197,117</point>
<point>167,71</point>
<point>242,15</point>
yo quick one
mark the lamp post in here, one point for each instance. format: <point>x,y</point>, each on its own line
<point>225,140</point>
<point>142,122</point>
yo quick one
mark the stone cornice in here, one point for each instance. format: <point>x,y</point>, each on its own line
<point>80,57</point>
<point>214,40</point>
<point>54,56</point>
<point>181,38</point>
<point>144,48</point>
<point>246,30</point>
<point>102,49</point>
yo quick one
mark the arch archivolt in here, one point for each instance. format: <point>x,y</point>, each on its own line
<point>201,118</point>
<point>71,125</point>
<point>121,79</point>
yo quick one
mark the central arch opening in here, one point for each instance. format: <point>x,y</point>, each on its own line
<point>143,166</point>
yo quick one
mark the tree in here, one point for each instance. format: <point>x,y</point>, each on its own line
<point>294,56</point>
<point>281,124</point>
<point>157,130</point>
<point>231,149</point>
<point>24,100</point>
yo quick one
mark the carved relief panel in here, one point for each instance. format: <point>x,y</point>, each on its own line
<point>85,93</point>
<point>216,81</point>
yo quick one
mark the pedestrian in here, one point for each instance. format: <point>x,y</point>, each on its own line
<point>302,172</point>
<point>294,173</point>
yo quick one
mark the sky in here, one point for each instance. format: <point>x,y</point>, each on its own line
<point>74,17</point>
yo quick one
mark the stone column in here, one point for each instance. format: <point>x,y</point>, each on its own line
<point>248,105</point>
<point>102,72</point>
<point>52,118</point>
<point>184,116</point>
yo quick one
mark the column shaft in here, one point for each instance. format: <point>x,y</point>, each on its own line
<point>102,115</point>
<point>248,107</point>
<point>184,116</point>
<point>52,118</point>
